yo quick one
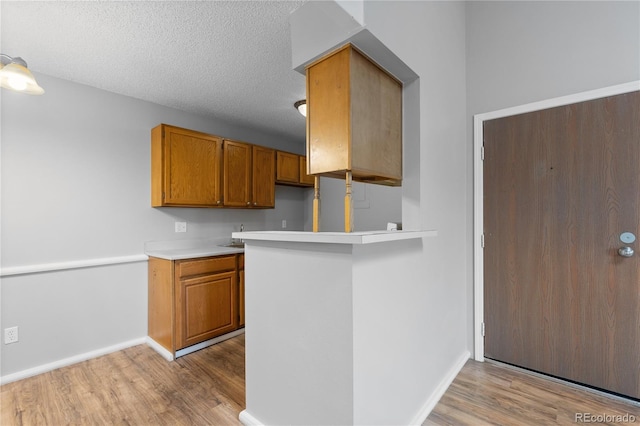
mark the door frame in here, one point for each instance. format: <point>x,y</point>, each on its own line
<point>478,188</point>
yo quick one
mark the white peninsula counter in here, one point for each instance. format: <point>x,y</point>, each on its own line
<point>319,308</point>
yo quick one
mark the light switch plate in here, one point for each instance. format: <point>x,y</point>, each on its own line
<point>181,226</point>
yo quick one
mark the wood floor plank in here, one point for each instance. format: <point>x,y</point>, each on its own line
<point>137,386</point>
<point>490,394</point>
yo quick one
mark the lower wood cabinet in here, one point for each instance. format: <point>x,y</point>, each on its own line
<point>241,289</point>
<point>193,300</point>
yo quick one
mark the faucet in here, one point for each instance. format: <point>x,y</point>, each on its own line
<point>241,227</point>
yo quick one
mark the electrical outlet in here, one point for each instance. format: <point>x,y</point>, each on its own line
<point>181,226</point>
<point>10,335</point>
<point>284,223</point>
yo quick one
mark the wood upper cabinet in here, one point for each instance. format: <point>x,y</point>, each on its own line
<point>192,300</point>
<point>305,179</point>
<point>288,167</point>
<point>263,177</point>
<point>185,168</point>
<point>249,175</point>
<point>354,119</point>
<point>237,174</point>
<point>193,169</point>
<point>291,169</point>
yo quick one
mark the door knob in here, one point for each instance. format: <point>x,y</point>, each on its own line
<point>625,251</point>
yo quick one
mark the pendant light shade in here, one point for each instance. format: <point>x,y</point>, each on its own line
<point>16,76</point>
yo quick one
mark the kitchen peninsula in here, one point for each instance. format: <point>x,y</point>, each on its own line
<point>319,310</point>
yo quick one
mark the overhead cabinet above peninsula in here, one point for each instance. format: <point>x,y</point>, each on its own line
<point>194,169</point>
<point>354,119</point>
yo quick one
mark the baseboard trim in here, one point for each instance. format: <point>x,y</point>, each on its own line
<point>432,401</point>
<point>165,353</point>
<point>207,343</point>
<point>248,420</point>
<point>168,355</point>
<point>69,361</point>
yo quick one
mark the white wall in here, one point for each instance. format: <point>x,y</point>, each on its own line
<point>429,37</point>
<point>76,186</point>
<point>471,58</point>
<point>478,57</point>
<point>522,52</point>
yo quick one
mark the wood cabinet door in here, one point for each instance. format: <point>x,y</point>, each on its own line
<point>305,179</point>
<point>190,168</point>
<point>287,167</point>
<point>206,307</point>
<point>237,174</point>
<point>264,177</point>
<point>329,114</point>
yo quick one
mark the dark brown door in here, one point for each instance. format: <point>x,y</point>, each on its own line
<point>560,188</point>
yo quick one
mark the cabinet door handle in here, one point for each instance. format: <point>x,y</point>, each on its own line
<point>248,203</point>
<point>255,204</point>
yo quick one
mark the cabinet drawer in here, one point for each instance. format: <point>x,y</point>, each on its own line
<point>206,265</point>
<point>241,261</point>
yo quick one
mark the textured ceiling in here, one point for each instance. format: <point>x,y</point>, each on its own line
<point>229,60</point>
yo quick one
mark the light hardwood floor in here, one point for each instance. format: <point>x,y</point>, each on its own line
<point>138,387</point>
<point>486,393</point>
<point>135,386</point>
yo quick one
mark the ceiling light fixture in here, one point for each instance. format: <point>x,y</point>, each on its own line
<point>16,76</point>
<point>301,106</point>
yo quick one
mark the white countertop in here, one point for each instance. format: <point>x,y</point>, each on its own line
<point>187,249</point>
<point>368,237</point>
<point>194,248</point>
